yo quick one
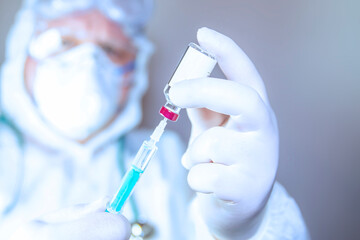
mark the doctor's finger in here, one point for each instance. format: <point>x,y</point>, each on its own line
<point>204,177</point>
<point>75,212</point>
<point>218,145</point>
<point>235,64</point>
<point>92,227</point>
<point>213,178</point>
<point>222,96</point>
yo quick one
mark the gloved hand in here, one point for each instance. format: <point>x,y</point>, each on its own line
<point>86,221</point>
<point>232,154</point>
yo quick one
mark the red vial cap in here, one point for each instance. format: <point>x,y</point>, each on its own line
<point>168,114</point>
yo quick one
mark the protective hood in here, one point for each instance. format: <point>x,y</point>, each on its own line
<point>17,105</point>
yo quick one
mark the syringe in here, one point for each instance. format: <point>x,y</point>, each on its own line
<point>195,63</point>
<point>132,176</point>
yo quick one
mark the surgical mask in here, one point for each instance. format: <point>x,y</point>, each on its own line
<point>77,92</point>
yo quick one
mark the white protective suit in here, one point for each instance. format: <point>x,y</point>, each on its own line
<point>35,180</point>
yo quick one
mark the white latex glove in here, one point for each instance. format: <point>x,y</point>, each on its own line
<point>233,150</point>
<point>85,221</point>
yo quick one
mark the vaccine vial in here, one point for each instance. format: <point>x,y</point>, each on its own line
<point>195,63</point>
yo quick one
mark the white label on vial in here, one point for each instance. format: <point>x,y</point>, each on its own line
<point>194,64</point>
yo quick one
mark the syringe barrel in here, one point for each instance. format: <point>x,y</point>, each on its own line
<point>142,158</point>
<point>139,164</point>
<point>127,186</point>
<point>145,154</point>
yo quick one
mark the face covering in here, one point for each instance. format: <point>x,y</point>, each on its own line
<point>77,92</point>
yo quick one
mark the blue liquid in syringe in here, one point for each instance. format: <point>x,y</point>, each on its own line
<point>141,160</point>
<point>127,186</point>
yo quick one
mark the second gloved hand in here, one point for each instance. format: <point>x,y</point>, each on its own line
<point>233,150</point>
<point>85,221</point>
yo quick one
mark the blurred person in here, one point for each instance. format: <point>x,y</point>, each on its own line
<point>71,89</point>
